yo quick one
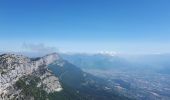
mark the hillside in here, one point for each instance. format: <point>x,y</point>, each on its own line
<point>49,78</point>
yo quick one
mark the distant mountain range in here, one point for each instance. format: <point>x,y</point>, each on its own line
<point>153,62</point>
<point>96,61</point>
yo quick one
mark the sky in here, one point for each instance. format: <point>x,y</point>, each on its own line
<point>122,26</point>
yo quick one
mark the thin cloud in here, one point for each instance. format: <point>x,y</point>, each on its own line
<point>41,48</point>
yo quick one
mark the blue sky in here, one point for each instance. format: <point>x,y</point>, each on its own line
<point>124,26</point>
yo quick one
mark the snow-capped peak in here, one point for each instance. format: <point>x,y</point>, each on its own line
<point>109,53</point>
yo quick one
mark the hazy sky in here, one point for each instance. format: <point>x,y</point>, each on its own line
<point>124,26</point>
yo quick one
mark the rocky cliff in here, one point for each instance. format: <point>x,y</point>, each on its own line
<point>13,68</point>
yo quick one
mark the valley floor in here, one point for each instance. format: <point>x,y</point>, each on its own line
<point>137,84</point>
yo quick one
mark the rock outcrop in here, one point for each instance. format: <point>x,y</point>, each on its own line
<point>13,67</point>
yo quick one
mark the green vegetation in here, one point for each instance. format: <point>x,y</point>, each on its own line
<point>71,79</point>
<point>66,94</point>
<point>30,89</point>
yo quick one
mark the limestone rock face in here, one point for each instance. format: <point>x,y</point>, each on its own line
<point>13,67</point>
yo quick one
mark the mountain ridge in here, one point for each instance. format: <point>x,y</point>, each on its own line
<point>49,78</point>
